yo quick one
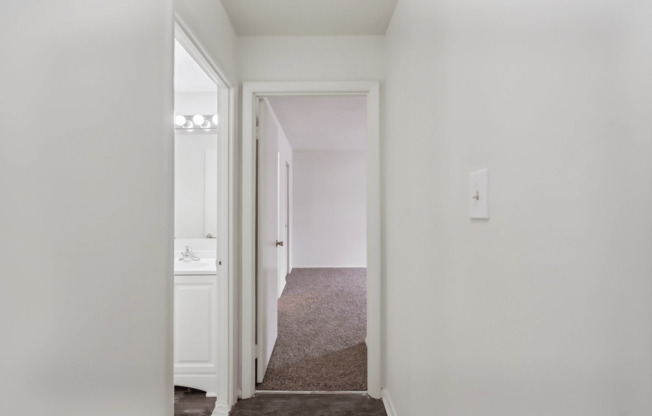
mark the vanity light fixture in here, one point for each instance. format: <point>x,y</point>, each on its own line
<point>179,120</point>
<point>198,119</point>
<point>195,123</point>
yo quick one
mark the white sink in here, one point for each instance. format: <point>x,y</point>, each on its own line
<point>203,266</point>
<point>191,265</point>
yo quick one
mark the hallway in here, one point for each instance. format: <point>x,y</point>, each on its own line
<point>541,307</point>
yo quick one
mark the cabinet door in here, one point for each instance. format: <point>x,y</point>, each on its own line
<point>195,324</point>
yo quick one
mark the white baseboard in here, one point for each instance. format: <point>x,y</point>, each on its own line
<point>387,401</point>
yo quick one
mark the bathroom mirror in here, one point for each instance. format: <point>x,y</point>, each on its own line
<point>195,145</point>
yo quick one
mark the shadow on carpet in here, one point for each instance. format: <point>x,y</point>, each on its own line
<point>322,326</point>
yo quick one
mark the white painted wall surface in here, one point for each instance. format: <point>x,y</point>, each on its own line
<point>86,161</point>
<point>545,309</point>
<point>310,58</point>
<point>210,24</point>
<point>195,103</point>
<point>197,244</point>
<point>329,221</point>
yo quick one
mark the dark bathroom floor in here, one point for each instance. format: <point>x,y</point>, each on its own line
<point>191,402</point>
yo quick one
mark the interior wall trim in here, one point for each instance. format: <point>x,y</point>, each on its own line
<point>389,405</point>
<point>251,93</point>
<point>227,393</point>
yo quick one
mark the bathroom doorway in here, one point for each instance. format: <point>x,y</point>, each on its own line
<point>195,225</point>
<point>204,234</point>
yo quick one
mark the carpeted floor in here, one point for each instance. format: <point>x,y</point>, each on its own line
<point>322,326</point>
<point>276,404</point>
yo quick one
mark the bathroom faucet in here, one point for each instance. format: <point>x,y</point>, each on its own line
<point>188,255</point>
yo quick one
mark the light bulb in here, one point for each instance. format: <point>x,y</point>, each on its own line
<point>214,119</point>
<point>206,125</point>
<point>198,119</point>
<point>179,120</point>
<point>188,125</point>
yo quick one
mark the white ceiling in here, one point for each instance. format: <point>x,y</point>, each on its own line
<point>322,122</point>
<point>309,17</point>
<point>188,75</point>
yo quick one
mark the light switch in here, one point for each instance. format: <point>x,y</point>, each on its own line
<point>479,194</point>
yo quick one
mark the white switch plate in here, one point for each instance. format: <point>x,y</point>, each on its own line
<point>479,194</point>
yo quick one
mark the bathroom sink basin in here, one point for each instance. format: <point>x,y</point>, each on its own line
<point>191,265</point>
<point>203,266</point>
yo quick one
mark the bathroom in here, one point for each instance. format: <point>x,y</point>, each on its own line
<point>196,232</point>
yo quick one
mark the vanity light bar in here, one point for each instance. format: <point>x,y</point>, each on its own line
<point>195,122</point>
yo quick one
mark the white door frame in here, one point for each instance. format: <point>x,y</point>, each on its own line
<point>226,300</point>
<point>251,91</point>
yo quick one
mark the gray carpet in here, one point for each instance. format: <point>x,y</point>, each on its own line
<point>322,324</point>
<point>309,405</point>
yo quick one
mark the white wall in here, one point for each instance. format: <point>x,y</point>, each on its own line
<point>210,24</point>
<point>545,309</point>
<point>197,244</point>
<point>86,162</point>
<point>329,222</point>
<point>195,103</point>
<point>310,58</point>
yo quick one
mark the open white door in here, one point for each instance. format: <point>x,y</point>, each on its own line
<point>283,223</point>
<point>267,261</point>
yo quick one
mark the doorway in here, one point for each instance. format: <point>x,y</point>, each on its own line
<point>252,93</point>
<point>196,213</point>
<point>218,231</point>
<point>319,325</point>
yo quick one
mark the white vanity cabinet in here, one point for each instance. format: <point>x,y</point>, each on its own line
<point>195,331</point>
